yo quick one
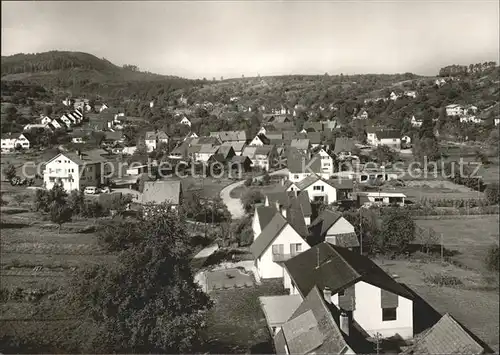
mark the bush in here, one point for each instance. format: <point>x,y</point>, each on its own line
<point>492,259</point>
<point>266,179</point>
<point>443,280</point>
<point>491,194</point>
<point>398,231</point>
<point>250,198</point>
<point>248,182</point>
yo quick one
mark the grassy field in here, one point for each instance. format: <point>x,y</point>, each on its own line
<point>239,191</point>
<point>470,236</point>
<point>416,190</point>
<point>471,303</point>
<point>207,187</point>
<point>237,324</point>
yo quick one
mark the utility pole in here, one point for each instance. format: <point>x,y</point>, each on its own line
<point>442,248</point>
<point>377,343</point>
<point>360,232</point>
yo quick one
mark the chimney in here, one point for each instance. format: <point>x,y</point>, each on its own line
<point>344,322</point>
<point>277,205</point>
<point>283,182</point>
<point>283,212</point>
<point>327,294</point>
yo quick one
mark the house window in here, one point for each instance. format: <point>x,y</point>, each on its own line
<point>379,199</point>
<point>278,249</point>
<point>318,188</point>
<point>296,177</point>
<point>295,248</point>
<point>389,314</point>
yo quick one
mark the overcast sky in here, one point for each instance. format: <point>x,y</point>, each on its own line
<point>231,38</point>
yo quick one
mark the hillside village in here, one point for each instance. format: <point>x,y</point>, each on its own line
<point>301,213</point>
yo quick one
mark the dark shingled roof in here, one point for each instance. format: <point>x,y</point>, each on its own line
<point>265,214</point>
<point>296,209</point>
<point>267,235</point>
<point>343,144</point>
<point>345,240</point>
<point>447,336</point>
<point>323,222</point>
<point>308,181</point>
<point>342,184</point>
<point>338,269</point>
<point>388,134</point>
<point>332,339</point>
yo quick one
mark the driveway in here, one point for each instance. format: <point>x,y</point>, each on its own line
<point>234,204</point>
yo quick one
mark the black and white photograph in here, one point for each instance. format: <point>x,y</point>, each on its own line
<point>250,177</point>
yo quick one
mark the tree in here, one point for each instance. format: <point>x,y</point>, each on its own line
<point>491,193</point>
<point>301,120</point>
<point>398,230</point>
<point>60,213</point>
<point>492,258</point>
<point>76,201</point>
<point>250,198</point>
<point>266,179</point>
<point>119,235</point>
<point>10,171</point>
<point>148,301</point>
<point>384,154</point>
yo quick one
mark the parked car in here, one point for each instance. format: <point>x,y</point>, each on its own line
<point>106,190</point>
<point>91,190</point>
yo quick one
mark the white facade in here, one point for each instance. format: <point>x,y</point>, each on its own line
<point>470,119</point>
<point>10,143</point>
<point>266,266</point>
<point>256,142</point>
<point>368,312</point>
<point>385,198</point>
<point>497,121</point>
<point>103,107</point>
<point>415,122</point>
<point>322,191</point>
<point>203,156</point>
<point>341,226</point>
<point>262,161</point>
<point>185,121</point>
<point>454,110</point>
<point>296,177</point>
<point>394,143</point>
<point>55,124</point>
<point>71,175</point>
<point>66,121</point>
<point>45,120</point>
<point>326,162</point>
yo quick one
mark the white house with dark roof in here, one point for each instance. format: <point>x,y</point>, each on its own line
<point>257,141</point>
<point>326,191</point>
<point>11,141</point>
<point>388,137</point>
<point>277,242</point>
<point>185,121</point>
<point>354,285</point>
<point>74,170</point>
<point>154,138</point>
<point>205,152</point>
<point>230,136</point>
<point>331,227</point>
<point>454,110</point>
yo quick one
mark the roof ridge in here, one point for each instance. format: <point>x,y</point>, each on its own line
<point>345,261</point>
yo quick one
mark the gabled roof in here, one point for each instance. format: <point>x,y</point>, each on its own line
<point>273,135</point>
<point>447,336</point>
<point>231,136</point>
<point>324,222</point>
<point>341,184</point>
<point>300,143</point>
<point>265,214</point>
<point>330,339</point>
<point>345,240</point>
<point>208,149</point>
<point>343,144</point>
<point>156,135</point>
<point>308,181</point>
<point>314,137</point>
<point>388,134</point>
<point>224,151</point>
<point>249,151</point>
<point>268,234</point>
<point>206,140</point>
<point>337,269</point>
<point>162,191</point>
<point>316,126</point>
<point>264,150</point>
<point>237,146</point>
<point>11,135</point>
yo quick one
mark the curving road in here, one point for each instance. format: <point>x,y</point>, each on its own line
<point>234,204</point>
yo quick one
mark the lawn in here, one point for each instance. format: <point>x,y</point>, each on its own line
<point>416,190</point>
<point>207,187</point>
<point>238,191</point>
<point>237,324</point>
<point>470,236</point>
<point>471,303</point>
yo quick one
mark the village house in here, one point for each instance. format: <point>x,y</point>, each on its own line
<point>78,137</point>
<point>331,227</point>
<point>388,137</point>
<point>411,93</point>
<point>258,140</point>
<point>354,285</point>
<point>45,119</point>
<point>293,205</point>
<point>393,96</point>
<point>301,144</point>
<point>416,123</point>
<point>454,110</point>
<point>362,115</point>
<point>12,141</point>
<point>65,119</point>
<point>185,121</point>
<point>154,138</point>
<point>237,146</point>
<point>74,170</point>
<point>496,121</point>
<point>205,151</point>
<point>56,124</point>
<point>380,198</point>
<point>319,190</point>
<point>277,242</point>
<point>471,119</point>
<point>157,192</point>
<point>31,126</point>
<point>344,147</point>
<point>230,136</point>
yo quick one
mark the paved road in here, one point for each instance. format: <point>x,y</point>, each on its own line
<point>234,204</point>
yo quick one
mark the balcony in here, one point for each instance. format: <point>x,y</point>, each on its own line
<point>283,257</point>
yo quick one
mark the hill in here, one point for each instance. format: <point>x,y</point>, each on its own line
<point>83,73</point>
